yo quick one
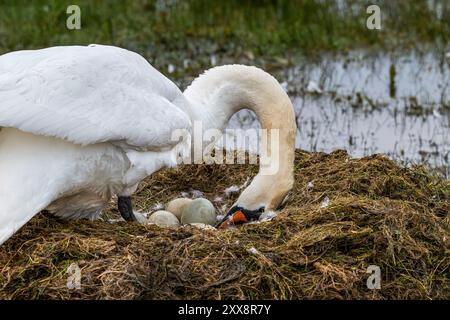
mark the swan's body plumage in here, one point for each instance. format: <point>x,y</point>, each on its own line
<point>81,124</point>
<point>78,125</point>
<point>53,92</point>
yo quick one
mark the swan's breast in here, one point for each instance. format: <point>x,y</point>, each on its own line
<point>50,169</point>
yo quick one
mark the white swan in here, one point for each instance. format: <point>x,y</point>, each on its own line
<point>79,124</point>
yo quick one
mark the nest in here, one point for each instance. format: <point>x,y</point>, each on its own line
<point>375,213</point>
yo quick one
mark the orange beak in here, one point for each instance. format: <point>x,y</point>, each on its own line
<point>239,216</point>
<point>236,218</point>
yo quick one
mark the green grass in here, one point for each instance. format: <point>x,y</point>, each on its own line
<point>263,27</point>
<point>267,33</point>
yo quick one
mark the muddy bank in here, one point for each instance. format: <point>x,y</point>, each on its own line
<point>343,215</point>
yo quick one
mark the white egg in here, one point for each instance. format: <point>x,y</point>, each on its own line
<point>176,206</point>
<point>164,218</point>
<point>199,211</point>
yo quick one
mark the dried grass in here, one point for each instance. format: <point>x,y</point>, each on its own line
<point>379,213</point>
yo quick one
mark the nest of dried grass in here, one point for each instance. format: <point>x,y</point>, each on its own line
<point>379,214</point>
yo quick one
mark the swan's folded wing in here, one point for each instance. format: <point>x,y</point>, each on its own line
<point>88,95</point>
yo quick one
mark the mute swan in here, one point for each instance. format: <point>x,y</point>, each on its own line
<point>79,124</point>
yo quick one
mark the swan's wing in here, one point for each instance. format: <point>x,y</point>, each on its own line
<point>88,95</point>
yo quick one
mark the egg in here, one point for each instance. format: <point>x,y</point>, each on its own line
<point>176,206</point>
<point>199,211</point>
<point>164,218</point>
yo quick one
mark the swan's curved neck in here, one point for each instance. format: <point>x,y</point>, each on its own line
<point>222,91</point>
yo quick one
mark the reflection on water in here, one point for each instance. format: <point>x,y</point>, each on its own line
<point>397,104</point>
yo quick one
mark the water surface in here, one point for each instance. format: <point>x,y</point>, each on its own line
<point>392,103</point>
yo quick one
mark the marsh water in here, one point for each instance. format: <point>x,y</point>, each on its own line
<point>392,103</point>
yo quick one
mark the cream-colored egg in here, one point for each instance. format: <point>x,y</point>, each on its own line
<point>164,218</point>
<point>176,206</point>
<point>199,211</point>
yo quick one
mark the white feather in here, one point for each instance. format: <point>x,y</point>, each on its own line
<point>88,95</point>
<point>81,124</point>
<point>231,190</point>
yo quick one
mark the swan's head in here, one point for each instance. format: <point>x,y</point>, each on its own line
<point>266,192</point>
<point>239,215</point>
<point>222,91</point>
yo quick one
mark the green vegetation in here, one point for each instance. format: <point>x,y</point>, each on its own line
<point>263,27</point>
